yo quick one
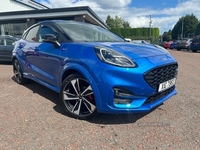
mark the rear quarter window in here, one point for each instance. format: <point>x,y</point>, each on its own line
<point>31,35</point>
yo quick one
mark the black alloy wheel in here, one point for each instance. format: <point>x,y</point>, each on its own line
<point>77,97</point>
<point>194,51</point>
<point>18,73</point>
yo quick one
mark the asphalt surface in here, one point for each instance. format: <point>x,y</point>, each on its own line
<point>31,118</point>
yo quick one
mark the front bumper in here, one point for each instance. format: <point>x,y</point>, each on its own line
<point>142,96</point>
<point>138,105</point>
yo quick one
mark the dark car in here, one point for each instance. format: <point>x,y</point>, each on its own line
<point>195,45</point>
<point>6,47</point>
<point>93,69</point>
<point>183,44</point>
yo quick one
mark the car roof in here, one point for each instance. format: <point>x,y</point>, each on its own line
<point>64,21</point>
<point>7,36</point>
<point>55,22</point>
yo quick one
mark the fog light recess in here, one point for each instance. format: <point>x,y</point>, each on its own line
<point>122,96</point>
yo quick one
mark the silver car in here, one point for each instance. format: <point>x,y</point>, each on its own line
<point>184,44</point>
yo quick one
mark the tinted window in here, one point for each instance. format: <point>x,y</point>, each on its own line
<point>196,40</point>
<point>1,41</point>
<point>32,34</point>
<point>9,41</point>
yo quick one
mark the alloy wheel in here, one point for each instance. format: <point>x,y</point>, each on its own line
<point>78,97</point>
<point>17,71</point>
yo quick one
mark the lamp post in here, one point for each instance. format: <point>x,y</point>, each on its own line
<point>150,22</point>
<point>182,30</point>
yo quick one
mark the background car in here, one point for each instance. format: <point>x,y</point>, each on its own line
<point>173,44</point>
<point>183,44</point>
<point>140,42</point>
<point>6,47</point>
<point>148,44</point>
<point>195,45</point>
<point>93,69</point>
<point>167,44</point>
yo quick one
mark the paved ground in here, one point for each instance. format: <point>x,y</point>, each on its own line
<point>31,118</point>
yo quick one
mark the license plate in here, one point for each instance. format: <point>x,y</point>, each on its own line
<point>166,85</point>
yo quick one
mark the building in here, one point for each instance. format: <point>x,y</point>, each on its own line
<point>18,15</point>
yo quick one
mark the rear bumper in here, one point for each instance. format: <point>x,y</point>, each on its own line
<point>182,46</point>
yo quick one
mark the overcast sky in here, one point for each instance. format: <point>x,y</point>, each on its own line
<point>165,13</point>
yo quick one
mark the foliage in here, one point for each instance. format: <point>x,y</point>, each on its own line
<point>122,28</point>
<point>185,27</point>
<point>110,22</point>
<point>137,33</point>
<point>117,22</point>
<point>197,31</point>
<point>167,36</point>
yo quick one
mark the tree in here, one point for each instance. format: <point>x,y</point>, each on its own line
<point>126,24</point>
<point>185,27</point>
<point>110,22</point>
<point>117,22</point>
<point>166,36</point>
<point>197,31</point>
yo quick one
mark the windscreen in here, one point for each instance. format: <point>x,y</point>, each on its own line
<point>81,32</point>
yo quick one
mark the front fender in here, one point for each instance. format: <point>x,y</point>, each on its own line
<point>88,76</point>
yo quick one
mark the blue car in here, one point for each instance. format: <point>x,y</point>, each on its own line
<point>195,45</point>
<point>93,70</point>
<point>173,45</point>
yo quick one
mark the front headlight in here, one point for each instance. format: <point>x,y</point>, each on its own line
<point>112,57</point>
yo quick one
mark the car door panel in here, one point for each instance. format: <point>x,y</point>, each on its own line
<point>47,63</point>
<point>41,59</point>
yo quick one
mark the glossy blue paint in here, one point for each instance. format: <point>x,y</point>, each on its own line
<point>46,64</point>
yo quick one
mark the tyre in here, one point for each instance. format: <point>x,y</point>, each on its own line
<point>77,97</point>
<point>194,51</point>
<point>18,75</point>
<point>178,49</point>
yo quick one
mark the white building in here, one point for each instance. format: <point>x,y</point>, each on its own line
<point>17,15</point>
<point>19,5</point>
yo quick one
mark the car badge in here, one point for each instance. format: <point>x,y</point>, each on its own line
<point>164,58</point>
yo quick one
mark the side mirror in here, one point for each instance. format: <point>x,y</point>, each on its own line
<point>49,38</point>
<point>52,39</point>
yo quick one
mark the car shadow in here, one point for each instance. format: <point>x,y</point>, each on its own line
<point>102,119</point>
<point>119,118</point>
<point>41,90</point>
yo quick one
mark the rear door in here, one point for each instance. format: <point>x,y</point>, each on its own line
<point>195,45</point>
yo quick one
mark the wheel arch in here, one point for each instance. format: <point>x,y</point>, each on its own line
<point>20,63</point>
<point>13,59</point>
<point>77,68</point>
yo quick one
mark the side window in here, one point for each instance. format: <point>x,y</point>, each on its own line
<point>46,30</point>
<point>32,34</point>
<point>1,41</point>
<point>9,41</point>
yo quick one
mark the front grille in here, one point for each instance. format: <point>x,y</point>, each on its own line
<point>159,75</point>
<point>158,95</point>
